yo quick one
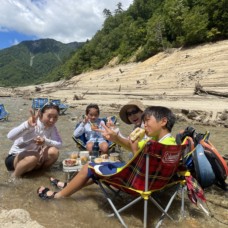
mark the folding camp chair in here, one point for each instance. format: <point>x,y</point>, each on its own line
<point>151,170</point>
<point>38,103</point>
<point>3,113</point>
<point>81,140</point>
<point>63,107</point>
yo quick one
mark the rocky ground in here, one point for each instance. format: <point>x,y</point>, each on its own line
<point>17,218</point>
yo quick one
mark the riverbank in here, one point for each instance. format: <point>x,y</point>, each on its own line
<point>193,82</point>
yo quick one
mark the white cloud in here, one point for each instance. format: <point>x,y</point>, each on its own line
<point>63,20</point>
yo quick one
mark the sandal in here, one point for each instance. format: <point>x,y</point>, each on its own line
<point>43,194</point>
<point>55,182</point>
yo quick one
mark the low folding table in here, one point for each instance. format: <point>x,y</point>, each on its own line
<point>71,170</point>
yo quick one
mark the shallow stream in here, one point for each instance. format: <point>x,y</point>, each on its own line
<point>88,207</point>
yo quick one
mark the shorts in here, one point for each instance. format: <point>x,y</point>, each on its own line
<point>9,162</point>
<point>104,168</point>
<point>96,140</point>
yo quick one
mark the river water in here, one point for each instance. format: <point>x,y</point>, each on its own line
<point>88,207</point>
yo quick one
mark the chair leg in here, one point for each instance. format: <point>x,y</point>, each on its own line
<point>116,212</point>
<point>127,206</point>
<point>160,208</point>
<point>145,213</point>
<point>182,201</point>
<point>111,204</point>
<point>164,210</point>
<point>115,192</point>
<point>202,205</point>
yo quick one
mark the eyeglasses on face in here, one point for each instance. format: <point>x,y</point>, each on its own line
<point>133,112</point>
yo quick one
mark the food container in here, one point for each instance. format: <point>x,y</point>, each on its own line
<point>70,162</point>
<point>74,155</point>
<point>114,157</point>
<point>84,157</point>
<point>98,160</point>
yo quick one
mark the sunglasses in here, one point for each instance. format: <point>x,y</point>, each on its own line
<point>133,112</point>
<point>49,105</point>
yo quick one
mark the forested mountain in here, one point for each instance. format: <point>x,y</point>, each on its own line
<point>146,28</point>
<point>30,61</point>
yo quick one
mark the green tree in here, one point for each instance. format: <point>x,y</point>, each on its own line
<point>195,26</point>
<point>119,8</point>
<point>107,13</point>
<point>174,12</point>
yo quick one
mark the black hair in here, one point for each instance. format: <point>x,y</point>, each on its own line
<point>160,112</point>
<point>95,106</point>
<point>49,105</point>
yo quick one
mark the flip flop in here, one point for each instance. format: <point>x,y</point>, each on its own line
<point>43,194</point>
<point>55,182</point>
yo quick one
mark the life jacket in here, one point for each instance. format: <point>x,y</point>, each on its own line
<point>204,161</point>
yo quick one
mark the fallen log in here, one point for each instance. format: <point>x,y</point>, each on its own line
<point>199,90</point>
<point>5,95</point>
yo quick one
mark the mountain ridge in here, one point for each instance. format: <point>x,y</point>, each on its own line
<point>30,61</point>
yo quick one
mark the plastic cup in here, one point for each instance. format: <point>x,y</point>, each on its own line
<point>84,157</point>
<point>92,158</point>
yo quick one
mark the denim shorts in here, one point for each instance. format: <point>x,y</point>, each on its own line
<point>9,162</point>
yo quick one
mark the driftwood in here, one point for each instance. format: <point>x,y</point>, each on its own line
<point>68,83</point>
<point>37,89</point>
<point>80,97</point>
<point>121,71</point>
<point>5,95</point>
<point>83,94</point>
<point>199,90</point>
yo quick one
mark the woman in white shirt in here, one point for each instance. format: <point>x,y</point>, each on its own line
<point>36,142</point>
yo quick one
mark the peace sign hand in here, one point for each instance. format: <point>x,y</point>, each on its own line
<point>107,133</point>
<point>85,119</point>
<point>32,121</point>
<point>109,123</point>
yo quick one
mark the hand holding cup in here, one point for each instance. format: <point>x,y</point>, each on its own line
<point>39,140</point>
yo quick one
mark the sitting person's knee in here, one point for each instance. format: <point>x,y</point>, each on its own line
<point>89,147</point>
<point>53,151</point>
<point>104,147</point>
<point>31,159</point>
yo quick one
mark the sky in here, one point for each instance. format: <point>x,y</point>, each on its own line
<point>63,20</point>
